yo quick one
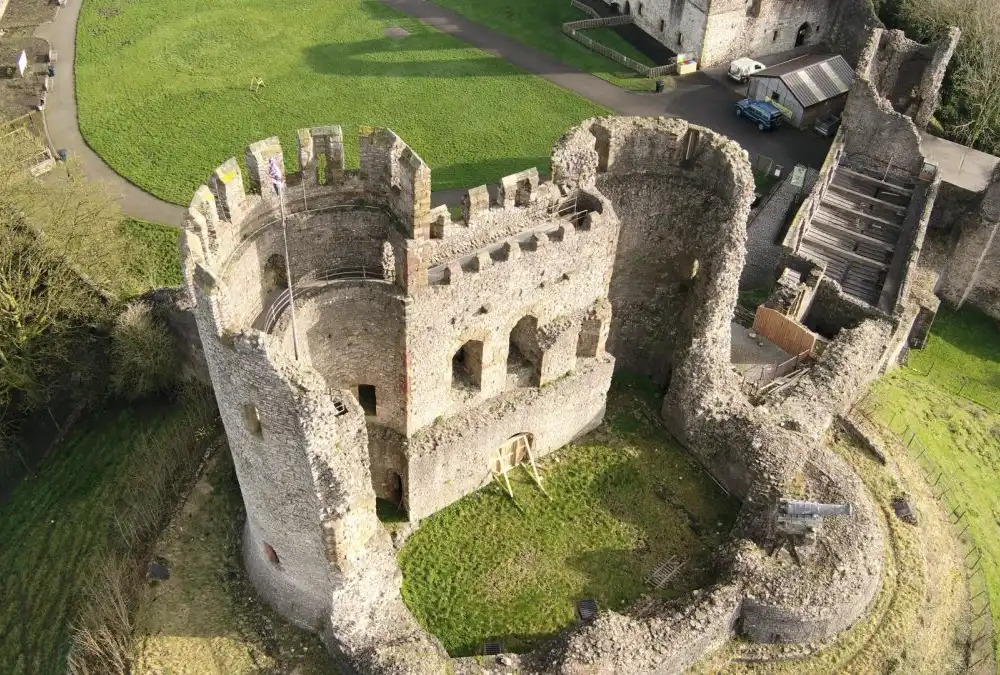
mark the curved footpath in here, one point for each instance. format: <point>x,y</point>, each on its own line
<point>697,98</point>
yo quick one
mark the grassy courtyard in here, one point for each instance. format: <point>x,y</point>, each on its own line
<point>538,23</point>
<point>163,89</point>
<point>623,500</point>
<point>932,396</point>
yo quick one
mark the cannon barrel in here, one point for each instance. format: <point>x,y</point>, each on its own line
<point>794,507</point>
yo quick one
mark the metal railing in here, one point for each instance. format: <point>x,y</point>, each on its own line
<point>586,9</point>
<point>312,282</point>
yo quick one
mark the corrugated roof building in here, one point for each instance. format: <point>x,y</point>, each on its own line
<point>805,88</point>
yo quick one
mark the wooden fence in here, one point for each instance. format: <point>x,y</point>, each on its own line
<point>791,336</point>
<point>570,28</point>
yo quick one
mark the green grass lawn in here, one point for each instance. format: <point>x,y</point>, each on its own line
<point>153,259</point>
<point>623,500</point>
<point>163,89</point>
<point>538,24</point>
<point>962,438</point>
<point>52,525</point>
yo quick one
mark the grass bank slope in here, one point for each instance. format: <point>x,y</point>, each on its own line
<point>623,500</point>
<point>206,618</point>
<point>54,523</point>
<point>962,437</point>
<point>163,89</point>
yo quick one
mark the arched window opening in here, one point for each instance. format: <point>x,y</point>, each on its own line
<point>802,35</point>
<point>524,355</point>
<point>467,367</point>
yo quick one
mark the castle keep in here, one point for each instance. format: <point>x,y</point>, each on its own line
<point>363,345</point>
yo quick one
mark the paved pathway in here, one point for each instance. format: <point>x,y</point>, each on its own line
<point>697,98</point>
<point>64,133</point>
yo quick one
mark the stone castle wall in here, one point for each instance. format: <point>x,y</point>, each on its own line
<point>717,31</point>
<point>972,273</point>
<point>645,218</point>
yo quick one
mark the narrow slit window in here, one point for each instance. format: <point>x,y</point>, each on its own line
<point>253,420</point>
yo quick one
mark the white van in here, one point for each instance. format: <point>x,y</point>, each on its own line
<point>741,69</point>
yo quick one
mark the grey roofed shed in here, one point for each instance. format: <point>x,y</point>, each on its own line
<point>813,78</point>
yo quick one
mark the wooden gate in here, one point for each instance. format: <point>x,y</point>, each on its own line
<point>791,336</point>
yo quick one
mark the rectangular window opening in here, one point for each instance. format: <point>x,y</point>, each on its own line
<point>252,419</point>
<point>366,397</point>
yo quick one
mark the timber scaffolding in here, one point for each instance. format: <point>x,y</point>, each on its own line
<point>572,28</point>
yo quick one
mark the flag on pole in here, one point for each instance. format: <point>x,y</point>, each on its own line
<point>276,174</point>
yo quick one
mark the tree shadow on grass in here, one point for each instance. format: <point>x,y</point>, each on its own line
<point>417,55</point>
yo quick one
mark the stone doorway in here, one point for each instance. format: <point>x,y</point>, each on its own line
<point>802,35</point>
<point>396,489</point>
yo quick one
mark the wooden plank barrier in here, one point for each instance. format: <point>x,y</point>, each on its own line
<point>788,334</point>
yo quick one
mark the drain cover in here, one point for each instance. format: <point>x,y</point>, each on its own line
<point>492,647</point>
<point>587,609</point>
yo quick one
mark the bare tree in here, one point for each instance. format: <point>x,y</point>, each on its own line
<point>44,308</point>
<point>78,218</point>
<point>976,77</point>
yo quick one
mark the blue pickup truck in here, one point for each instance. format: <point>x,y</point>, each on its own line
<point>766,115</point>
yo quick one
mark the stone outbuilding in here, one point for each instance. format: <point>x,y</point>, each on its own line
<point>717,31</point>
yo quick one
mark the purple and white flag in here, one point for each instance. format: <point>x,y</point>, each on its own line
<point>276,174</point>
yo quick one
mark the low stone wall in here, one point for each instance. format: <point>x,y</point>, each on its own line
<point>452,458</point>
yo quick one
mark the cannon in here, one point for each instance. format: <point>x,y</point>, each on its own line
<point>797,522</point>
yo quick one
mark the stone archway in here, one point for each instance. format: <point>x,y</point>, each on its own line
<point>628,7</point>
<point>803,35</point>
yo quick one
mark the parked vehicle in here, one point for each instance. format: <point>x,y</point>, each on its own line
<point>764,113</point>
<point>827,125</point>
<point>741,69</point>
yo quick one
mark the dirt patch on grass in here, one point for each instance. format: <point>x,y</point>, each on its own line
<point>20,95</point>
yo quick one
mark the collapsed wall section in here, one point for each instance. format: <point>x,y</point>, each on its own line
<point>909,75</point>
<point>682,195</point>
<point>972,274</point>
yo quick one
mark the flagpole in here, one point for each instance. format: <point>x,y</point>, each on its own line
<point>278,179</point>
